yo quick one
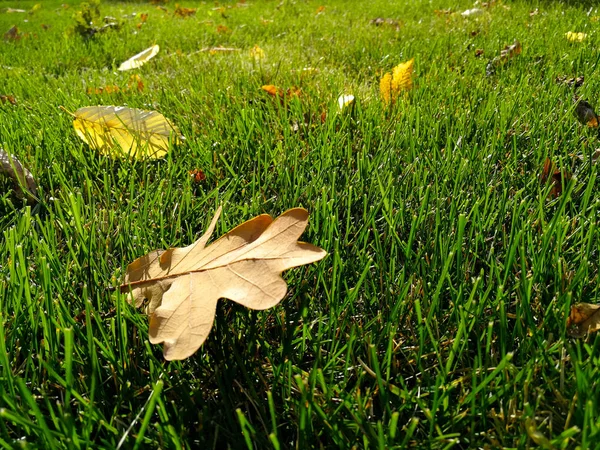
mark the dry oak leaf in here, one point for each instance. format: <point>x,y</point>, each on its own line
<point>140,59</point>
<point>584,318</point>
<point>119,131</point>
<point>392,84</point>
<point>182,285</point>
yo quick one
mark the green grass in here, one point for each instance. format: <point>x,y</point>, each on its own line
<point>438,319</point>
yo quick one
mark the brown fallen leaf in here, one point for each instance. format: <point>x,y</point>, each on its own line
<point>585,114</point>
<point>511,51</point>
<point>506,54</point>
<point>182,12</point>
<point>551,171</point>
<point>12,34</point>
<point>8,99</point>
<point>182,285</point>
<point>197,175</point>
<point>222,29</point>
<point>380,21</point>
<point>24,183</point>
<point>571,82</point>
<point>584,318</point>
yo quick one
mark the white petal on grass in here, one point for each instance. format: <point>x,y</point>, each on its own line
<point>472,12</point>
<point>140,59</point>
<point>345,100</point>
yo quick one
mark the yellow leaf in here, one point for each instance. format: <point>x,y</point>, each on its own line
<point>120,131</point>
<point>140,59</point>
<point>575,37</point>
<point>182,285</point>
<point>392,84</point>
<point>272,89</point>
<point>257,53</point>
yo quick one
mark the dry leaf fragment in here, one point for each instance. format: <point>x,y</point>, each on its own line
<point>14,10</point>
<point>140,59</point>
<point>379,21</point>
<point>585,114</point>
<point>272,90</point>
<point>8,99</point>
<point>511,51</point>
<point>551,171</point>
<point>197,175</point>
<point>182,285</point>
<point>24,183</point>
<point>215,50</point>
<point>109,89</point>
<point>507,53</point>
<point>135,80</point>
<point>392,84</point>
<point>180,11</point>
<point>584,318</point>
<point>575,37</point>
<point>222,29</point>
<point>119,131</point>
<point>12,34</point>
<point>571,82</point>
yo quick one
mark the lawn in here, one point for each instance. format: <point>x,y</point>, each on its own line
<point>438,318</point>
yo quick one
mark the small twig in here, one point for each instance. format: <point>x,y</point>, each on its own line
<point>24,182</point>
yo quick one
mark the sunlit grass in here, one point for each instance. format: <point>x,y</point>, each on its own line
<point>437,319</point>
